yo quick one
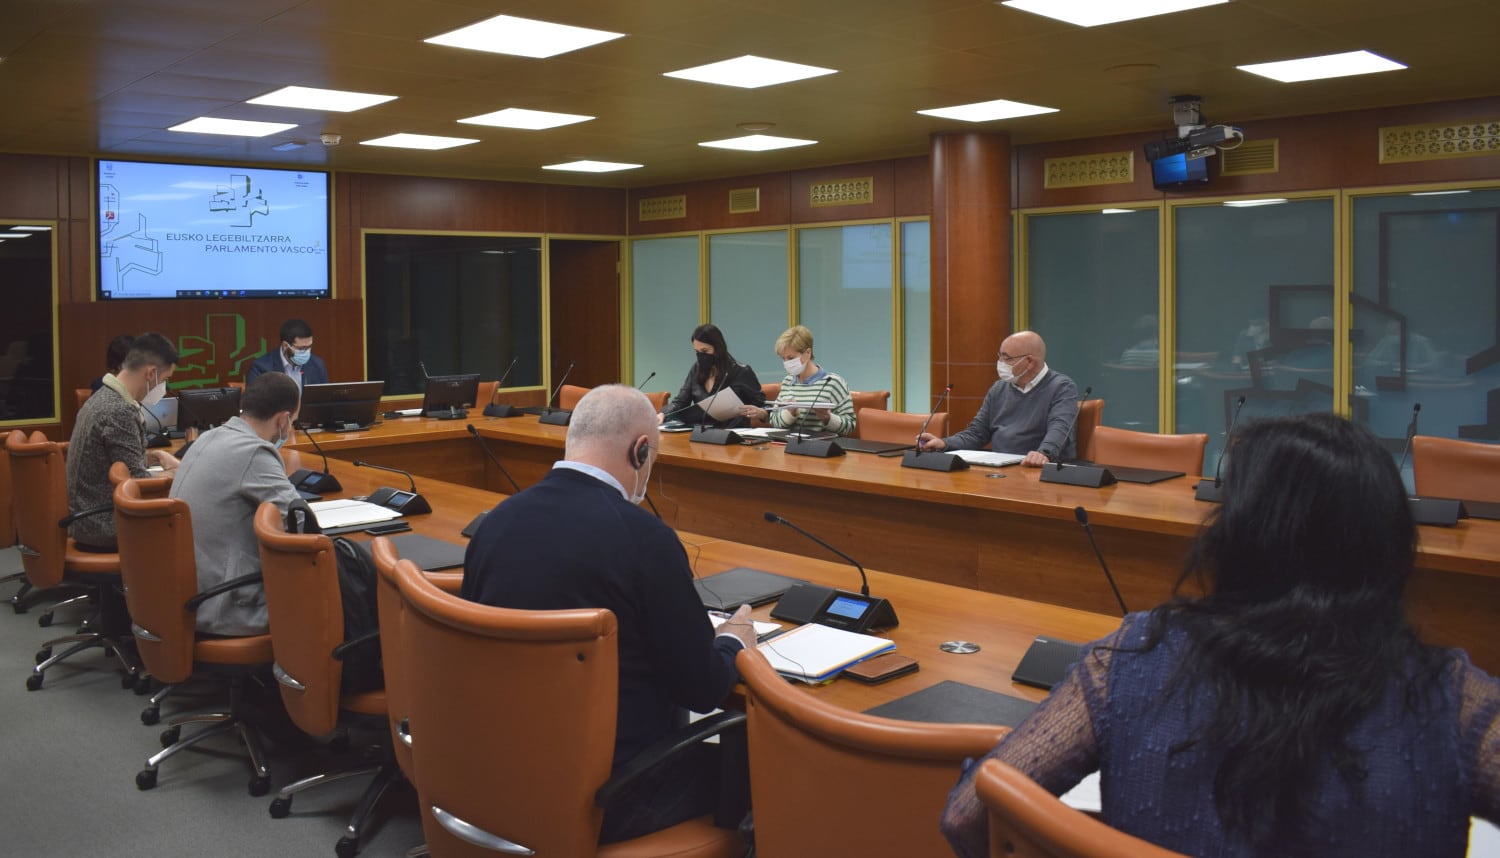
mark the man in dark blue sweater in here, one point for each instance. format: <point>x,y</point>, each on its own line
<point>1030,410</point>
<point>577,540</point>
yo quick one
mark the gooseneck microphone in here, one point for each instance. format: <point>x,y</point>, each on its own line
<point>555,391</point>
<point>404,502</point>
<point>1088,475</point>
<point>312,481</point>
<point>1214,492</point>
<point>1411,432</point>
<point>362,464</point>
<point>504,375</point>
<point>642,385</point>
<point>931,414</point>
<point>558,416</point>
<point>493,458</point>
<point>423,367</point>
<point>864,583</point>
<point>933,460</point>
<point>1083,518</point>
<point>493,410</point>
<point>1068,438</point>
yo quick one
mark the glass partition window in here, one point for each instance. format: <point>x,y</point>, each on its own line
<point>664,286</point>
<point>916,316</point>
<point>440,304</point>
<point>748,296</point>
<point>1255,293</point>
<point>1426,283</point>
<point>1093,281</point>
<point>844,297</point>
<point>28,361</point>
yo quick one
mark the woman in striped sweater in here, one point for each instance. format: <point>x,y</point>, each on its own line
<point>807,384</point>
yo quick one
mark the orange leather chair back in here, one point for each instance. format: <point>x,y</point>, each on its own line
<point>1026,821</point>
<point>83,394</point>
<point>512,718</point>
<point>659,399</point>
<point>307,619</point>
<point>877,424</point>
<point>1089,415</point>
<point>1149,450</point>
<point>7,504</point>
<point>486,393</point>
<point>237,385</point>
<point>37,474</point>
<point>1445,468</point>
<point>392,647</point>
<point>160,574</point>
<point>874,399</point>
<point>770,391</point>
<point>816,768</point>
<point>568,396</point>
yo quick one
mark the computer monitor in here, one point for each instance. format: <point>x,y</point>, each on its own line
<point>1178,172</point>
<point>346,406</point>
<point>447,395</point>
<point>161,418</point>
<point>207,407</point>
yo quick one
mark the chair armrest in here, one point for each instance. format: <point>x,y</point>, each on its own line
<point>664,749</point>
<point>98,510</point>
<point>343,649</point>
<point>220,589</point>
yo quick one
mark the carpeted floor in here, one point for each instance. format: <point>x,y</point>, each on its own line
<point>69,754</point>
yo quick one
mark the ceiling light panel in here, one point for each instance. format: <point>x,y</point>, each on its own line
<point>1319,68</point>
<point>592,167</point>
<point>757,143</point>
<point>750,72</point>
<point>522,37</point>
<point>231,127</point>
<point>419,141</point>
<point>987,111</point>
<point>1094,13</point>
<point>1250,204</point>
<point>528,120</point>
<point>311,98</point>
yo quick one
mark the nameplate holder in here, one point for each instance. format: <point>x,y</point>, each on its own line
<point>1441,512</point>
<point>1209,490</point>
<point>1087,476</point>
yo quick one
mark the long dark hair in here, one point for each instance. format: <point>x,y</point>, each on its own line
<point>711,335</point>
<point>1302,630</point>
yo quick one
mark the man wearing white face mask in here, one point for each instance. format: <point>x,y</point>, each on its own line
<point>111,428</point>
<point>233,469</point>
<point>294,358</point>
<point>1030,410</point>
<point>577,540</point>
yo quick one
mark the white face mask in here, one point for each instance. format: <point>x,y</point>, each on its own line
<point>1006,371</point>
<point>154,394</point>
<point>794,366</point>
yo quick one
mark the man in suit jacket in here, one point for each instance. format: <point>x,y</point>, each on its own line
<point>293,358</point>
<point>577,540</point>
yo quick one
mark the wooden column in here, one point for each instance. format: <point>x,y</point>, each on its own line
<point>971,266</point>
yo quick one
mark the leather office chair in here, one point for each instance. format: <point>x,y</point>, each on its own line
<point>1445,468</point>
<point>392,652</point>
<point>1026,821</point>
<point>659,399</point>
<point>1089,415</point>
<point>513,729</point>
<point>873,399</point>
<point>157,565</point>
<point>51,558</point>
<point>827,781</point>
<point>770,391</point>
<point>307,638</point>
<point>900,427</point>
<point>1149,450</point>
<point>485,394</point>
<point>568,396</point>
<point>8,530</point>
<point>82,394</point>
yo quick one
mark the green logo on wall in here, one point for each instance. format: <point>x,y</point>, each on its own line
<point>219,356</point>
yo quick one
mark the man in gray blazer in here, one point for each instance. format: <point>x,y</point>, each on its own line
<point>231,470</point>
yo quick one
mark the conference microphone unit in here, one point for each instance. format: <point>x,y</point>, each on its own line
<point>493,458</point>
<point>932,460</point>
<point>1090,476</point>
<point>313,482</point>
<point>800,444</point>
<point>1411,432</point>
<point>402,501</point>
<point>840,609</point>
<point>1083,518</point>
<point>1442,512</point>
<point>642,385</point>
<point>557,416</point>
<point>496,409</point>
<point>709,434</point>
<point>1213,492</point>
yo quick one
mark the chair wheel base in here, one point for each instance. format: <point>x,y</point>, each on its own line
<point>43,654</point>
<point>145,779</point>
<point>150,715</point>
<point>281,807</point>
<point>44,620</point>
<point>19,607</point>
<point>170,736</point>
<point>33,682</point>
<point>127,681</point>
<point>142,685</point>
<point>347,847</point>
<point>259,786</point>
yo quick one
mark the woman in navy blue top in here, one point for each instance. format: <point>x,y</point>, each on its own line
<point>1291,711</point>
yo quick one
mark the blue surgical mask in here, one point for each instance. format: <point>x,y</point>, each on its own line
<point>282,438</point>
<point>300,357</point>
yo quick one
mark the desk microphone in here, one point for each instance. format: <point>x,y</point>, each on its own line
<point>937,460</point>
<point>1411,432</point>
<point>1214,492</point>
<point>931,414</point>
<point>864,583</point>
<point>493,458</point>
<point>558,417</point>
<point>801,443</point>
<point>404,502</point>
<point>811,603</point>
<point>642,385</point>
<point>1090,475</point>
<point>159,438</point>
<point>1083,518</point>
<point>312,481</point>
<point>491,409</point>
<point>423,367</point>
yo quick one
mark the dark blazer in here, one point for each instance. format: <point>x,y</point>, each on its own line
<point>314,372</point>
<point>572,541</point>
<point>740,378</point>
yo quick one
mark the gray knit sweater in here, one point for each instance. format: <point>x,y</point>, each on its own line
<point>1010,421</point>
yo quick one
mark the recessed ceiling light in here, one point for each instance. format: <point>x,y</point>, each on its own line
<point>1248,204</point>
<point>15,235</point>
<point>49,229</point>
<point>750,72</point>
<point>1318,68</point>
<point>987,111</point>
<point>232,127</point>
<point>419,141</point>
<point>592,167</point>
<point>758,143</point>
<point>1116,211</point>
<point>530,120</point>
<point>310,98</point>
<point>522,37</point>
<point>1414,193</point>
<point>1092,13</point>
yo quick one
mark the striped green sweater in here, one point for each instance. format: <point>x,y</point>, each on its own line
<point>823,386</point>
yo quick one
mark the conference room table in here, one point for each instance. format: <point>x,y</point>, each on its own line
<point>930,613</point>
<point>1000,531</point>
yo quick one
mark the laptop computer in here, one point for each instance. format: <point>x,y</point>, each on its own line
<point>162,417</point>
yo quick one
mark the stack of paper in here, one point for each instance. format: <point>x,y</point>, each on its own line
<point>722,405</point>
<point>343,513</point>
<point>815,653</point>
<point>988,459</point>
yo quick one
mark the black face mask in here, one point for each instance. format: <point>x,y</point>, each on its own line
<point>705,361</point>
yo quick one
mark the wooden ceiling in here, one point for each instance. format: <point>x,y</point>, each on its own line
<point>107,77</point>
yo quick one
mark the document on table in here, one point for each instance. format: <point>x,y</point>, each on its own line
<point>761,629</point>
<point>780,406</point>
<point>989,459</point>
<point>343,513</point>
<point>723,404</point>
<point>815,653</point>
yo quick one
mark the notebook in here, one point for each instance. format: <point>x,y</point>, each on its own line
<point>1140,475</point>
<point>859,445</point>
<point>428,553</point>
<point>815,653</point>
<point>1046,662</point>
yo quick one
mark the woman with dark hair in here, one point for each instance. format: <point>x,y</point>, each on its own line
<point>714,369</point>
<point>1291,710</point>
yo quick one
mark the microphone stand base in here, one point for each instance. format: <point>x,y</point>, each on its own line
<point>316,482</point>
<point>502,411</point>
<point>933,461</point>
<point>816,447</point>
<point>1087,476</point>
<point>556,417</point>
<point>1210,491</point>
<point>721,437</point>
